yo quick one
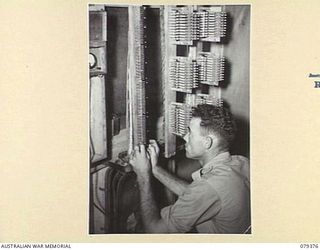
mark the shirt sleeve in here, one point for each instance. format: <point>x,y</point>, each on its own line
<point>199,203</point>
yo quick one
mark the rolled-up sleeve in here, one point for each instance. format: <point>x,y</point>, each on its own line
<point>199,203</point>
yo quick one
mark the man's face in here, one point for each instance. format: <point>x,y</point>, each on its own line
<point>194,140</point>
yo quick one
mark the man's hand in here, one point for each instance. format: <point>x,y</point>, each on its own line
<point>140,162</point>
<point>153,150</point>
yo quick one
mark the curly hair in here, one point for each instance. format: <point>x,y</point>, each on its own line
<point>216,120</point>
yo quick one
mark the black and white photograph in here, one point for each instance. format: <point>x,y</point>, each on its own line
<point>169,119</point>
<point>146,123</point>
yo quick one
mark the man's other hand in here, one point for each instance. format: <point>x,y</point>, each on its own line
<point>140,161</point>
<point>153,150</point>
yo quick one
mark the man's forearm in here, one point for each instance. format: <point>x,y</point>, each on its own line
<point>172,182</point>
<point>149,211</point>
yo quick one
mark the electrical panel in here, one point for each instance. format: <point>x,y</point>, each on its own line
<point>183,75</point>
<point>187,73</point>
<point>189,27</point>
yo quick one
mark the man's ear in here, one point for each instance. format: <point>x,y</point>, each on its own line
<point>210,141</point>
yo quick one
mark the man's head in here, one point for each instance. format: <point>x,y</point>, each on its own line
<point>211,129</point>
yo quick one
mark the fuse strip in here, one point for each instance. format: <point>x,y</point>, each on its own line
<point>137,79</point>
<point>187,25</point>
<point>140,79</point>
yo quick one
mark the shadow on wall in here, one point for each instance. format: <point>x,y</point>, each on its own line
<point>228,37</point>
<point>227,75</point>
<point>241,143</point>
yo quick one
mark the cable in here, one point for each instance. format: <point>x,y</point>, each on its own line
<point>101,207</point>
<point>92,150</point>
<point>97,207</point>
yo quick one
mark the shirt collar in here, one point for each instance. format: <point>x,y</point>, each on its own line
<point>209,166</point>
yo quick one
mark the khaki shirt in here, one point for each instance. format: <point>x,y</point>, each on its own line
<point>217,201</point>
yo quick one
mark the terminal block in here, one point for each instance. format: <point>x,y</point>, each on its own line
<point>184,74</point>
<point>211,68</point>
<point>203,24</point>
<point>180,116</point>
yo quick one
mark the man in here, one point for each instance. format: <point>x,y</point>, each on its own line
<point>218,199</point>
